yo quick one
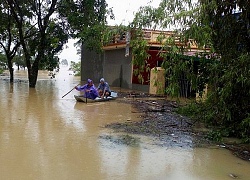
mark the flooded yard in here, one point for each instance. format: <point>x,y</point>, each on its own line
<point>44,136</point>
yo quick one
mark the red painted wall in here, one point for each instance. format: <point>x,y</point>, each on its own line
<point>152,61</point>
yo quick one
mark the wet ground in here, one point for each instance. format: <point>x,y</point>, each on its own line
<point>170,128</point>
<point>45,136</point>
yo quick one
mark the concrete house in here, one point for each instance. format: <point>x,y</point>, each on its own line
<point>115,63</point>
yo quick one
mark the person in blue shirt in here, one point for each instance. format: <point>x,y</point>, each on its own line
<point>89,90</point>
<point>103,88</point>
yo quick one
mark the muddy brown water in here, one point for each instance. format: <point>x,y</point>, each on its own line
<point>44,136</point>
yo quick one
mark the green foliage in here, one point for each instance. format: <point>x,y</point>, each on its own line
<point>3,61</point>
<point>140,56</point>
<point>43,27</point>
<point>114,33</point>
<point>224,65</point>
<point>76,67</point>
<point>9,40</point>
<point>197,111</point>
<point>56,38</point>
<point>215,135</point>
<point>87,20</point>
<point>19,61</point>
<point>244,128</point>
<point>191,110</point>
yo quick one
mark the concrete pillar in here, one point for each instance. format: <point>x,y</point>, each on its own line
<point>204,95</point>
<point>157,81</point>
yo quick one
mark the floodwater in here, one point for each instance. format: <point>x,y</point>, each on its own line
<point>46,137</point>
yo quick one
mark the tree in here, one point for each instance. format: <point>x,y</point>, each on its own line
<point>57,37</point>
<point>230,34</point>
<point>9,37</point>
<point>44,26</point>
<point>223,26</point>
<point>40,14</point>
<point>87,21</point>
<point>76,67</point>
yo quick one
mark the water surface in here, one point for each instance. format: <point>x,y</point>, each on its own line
<point>45,136</point>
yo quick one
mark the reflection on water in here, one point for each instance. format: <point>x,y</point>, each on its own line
<point>45,136</point>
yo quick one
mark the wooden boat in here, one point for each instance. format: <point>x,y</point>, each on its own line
<point>98,99</point>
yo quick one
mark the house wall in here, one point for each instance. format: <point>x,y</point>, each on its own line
<point>117,69</point>
<point>113,66</point>
<point>91,65</point>
<point>140,87</point>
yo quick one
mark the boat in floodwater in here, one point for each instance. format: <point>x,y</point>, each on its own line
<point>98,99</point>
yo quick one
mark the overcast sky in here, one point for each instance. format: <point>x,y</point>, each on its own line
<point>124,10</point>
<point>124,13</point>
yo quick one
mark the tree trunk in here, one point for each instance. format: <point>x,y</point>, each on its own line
<point>33,73</point>
<point>35,66</point>
<point>11,74</point>
<point>11,70</point>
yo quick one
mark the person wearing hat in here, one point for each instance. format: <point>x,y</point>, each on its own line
<point>89,90</point>
<point>103,88</point>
